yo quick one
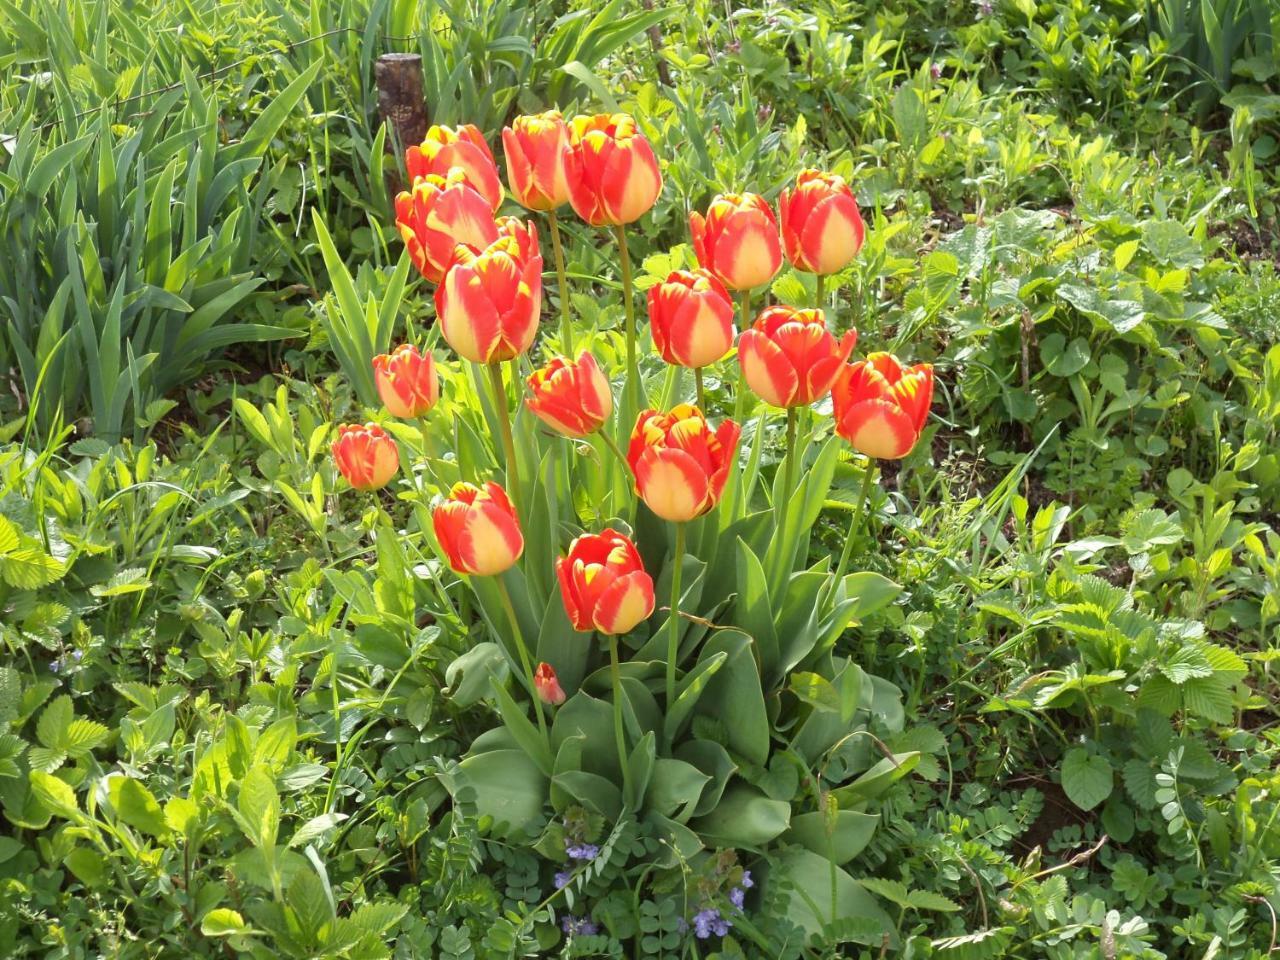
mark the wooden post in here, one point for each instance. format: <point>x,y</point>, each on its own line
<point>401,100</point>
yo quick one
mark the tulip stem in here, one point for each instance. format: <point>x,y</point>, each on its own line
<point>859,507</point>
<point>615,449</point>
<point>633,372</point>
<point>673,630</point>
<point>525,662</point>
<point>508,441</point>
<point>702,396</point>
<point>566,325</point>
<point>740,400</point>
<point>790,472</point>
<point>822,289</point>
<point>618,736</point>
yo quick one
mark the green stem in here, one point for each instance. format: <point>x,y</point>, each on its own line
<point>508,441</point>
<point>525,662</point>
<point>615,450</point>
<point>858,509</point>
<point>702,396</point>
<point>566,325</point>
<point>822,289</point>
<point>619,738</point>
<point>673,630</point>
<point>744,323</point>
<point>633,372</point>
<point>790,473</point>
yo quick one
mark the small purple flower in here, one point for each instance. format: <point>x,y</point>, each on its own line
<point>746,879</point>
<point>737,896</point>
<point>55,666</point>
<point>985,8</point>
<point>579,927</point>
<point>562,879</point>
<point>720,926</point>
<point>702,923</point>
<point>582,851</point>
<point>935,71</point>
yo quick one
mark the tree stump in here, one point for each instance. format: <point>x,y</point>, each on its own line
<point>402,103</point>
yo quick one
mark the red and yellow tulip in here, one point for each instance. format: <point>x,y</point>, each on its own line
<point>881,406</point>
<point>738,240</point>
<point>680,464</point>
<point>691,318</point>
<point>489,302</point>
<point>537,149</point>
<point>604,585</point>
<point>365,455</point>
<point>789,358</point>
<point>612,170</point>
<point>478,530</point>
<point>821,225</point>
<point>464,147</point>
<point>407,381</point>
<point>439,213</point>
<point>572,397</point>
<point>547,685</point>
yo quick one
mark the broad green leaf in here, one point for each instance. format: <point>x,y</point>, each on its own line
<point>136,806</point>
<point>1086,778</point>
<point>259,807</point>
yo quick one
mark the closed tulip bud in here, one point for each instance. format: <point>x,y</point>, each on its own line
<point>680,464</point>
<point>604,585</point>
<point>612,170</point>
<point>789,357</point>
<point>437,215</point>
<point>478,530</point>
<point>738,240</point>
<point>821,225</point>
<point>537,149</point>
<point>881,407</point>
<point>407,381</point>
<point>365,455</point>
<point>489,301</point>
<point>571,397</point>
<point>691,318</point>
<point>463,147</point>
<point>547,684</point>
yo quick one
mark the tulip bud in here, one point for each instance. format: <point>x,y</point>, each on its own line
<point>691,318</point>
<point>437,215</point>
<point>464,147</point>
<point>407,381</point>
<point>478,530</point>
<point>881,407</point>
<point>604,585</point>
<point>571,397</point>
<point>537,150</point>
<point>821,225</point>
<point>489,301</point>
<point>612,170</point>
<point>680,464</point>
<point>789,358</point>
<point>365,455</point>
<point>547,684</point>
<point>738,240</point>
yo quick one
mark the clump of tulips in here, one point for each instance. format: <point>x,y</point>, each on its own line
<point>680,466</point>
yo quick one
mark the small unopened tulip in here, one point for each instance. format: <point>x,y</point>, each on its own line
<point>612,170</point>
<point>604,585</point>
<point>572,397</point>
<point>738,240</point>
<point>821,225</point>
<point>407,381</point>
<point>365,455</point>
<point>537,149</point>
<point>489,301</point>
<point>789,358</point>
<point>438,214</point>
<point>691,318</point>
<point>881,406</point>
<point>680,464</point>
<point>478,530</point>
<point>547,684</point>
<point>464,147</point>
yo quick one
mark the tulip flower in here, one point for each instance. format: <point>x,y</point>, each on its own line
<point>789,358</point>
<point>548,686</point>
<point>365,455</point>
<point>438,214</point>
<point>407,381</point>
<point>464,147</point>
<point>612,170</point>
<point>604,585</point>
<point>572,397</point>
<point>738,240</point>
<point>881,407</point>
<point>821,226</point>
<point>680,464</point>
<point>478,530</point>
<point>489,301</point>
<point>537,150</point>
<point>691,318</point>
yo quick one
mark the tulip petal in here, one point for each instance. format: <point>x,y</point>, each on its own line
<point>672,483</point>
<point>627,602</point>
<point>879,429</point>
<point>766,368</point>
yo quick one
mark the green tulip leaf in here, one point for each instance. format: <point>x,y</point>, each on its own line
<point>504,785</point>
<point>676,788</point>
<point>744,817</point>
<point>853,831</point>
